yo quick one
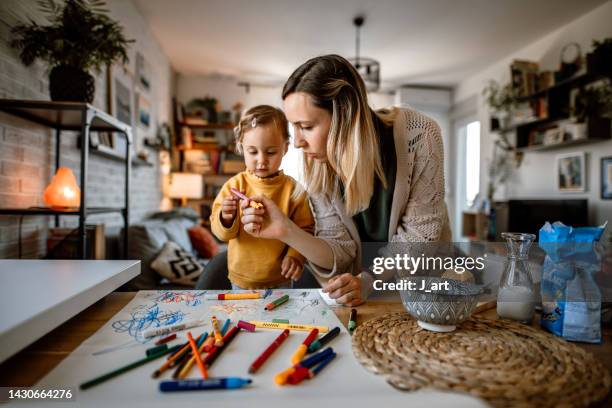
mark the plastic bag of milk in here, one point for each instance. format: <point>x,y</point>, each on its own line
<point>571,299</point>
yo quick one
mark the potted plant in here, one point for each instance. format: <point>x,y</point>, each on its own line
<point>80,38</point>
<point>502,100</point>
<point>599,61</point>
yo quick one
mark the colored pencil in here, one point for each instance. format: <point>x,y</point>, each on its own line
<point>268,351</point>
<point>182,370</point>
<point>196,355</point>
<point>214,353</point>
<point>121,370</point>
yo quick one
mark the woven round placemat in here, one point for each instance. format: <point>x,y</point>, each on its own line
<point>503,362</point>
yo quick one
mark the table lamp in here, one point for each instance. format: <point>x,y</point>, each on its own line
<point>186,185</point>
<point>63,191</point>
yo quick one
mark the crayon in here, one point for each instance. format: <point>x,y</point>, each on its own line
<point>252,203</point>
<point>246,326</point>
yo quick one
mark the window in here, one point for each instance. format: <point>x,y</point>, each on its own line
<point>472,162</point>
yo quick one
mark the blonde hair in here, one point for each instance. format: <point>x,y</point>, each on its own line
<point>353,156</point>
<point>258,116</point>
<point>261,115</point>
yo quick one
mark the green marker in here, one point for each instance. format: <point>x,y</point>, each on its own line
<point>283,321</point>
<point>156,349</point>
<point>277,302</point>
<point>352,324</point>
<point>126,368</point>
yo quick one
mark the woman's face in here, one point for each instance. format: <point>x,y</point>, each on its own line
<point>310,124</point>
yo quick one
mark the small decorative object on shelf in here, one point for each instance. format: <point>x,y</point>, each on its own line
<point>63,191</point>
<point>606,178</point>
<point>73,23</point>
<point>571,62</point>
<point>516,296</point>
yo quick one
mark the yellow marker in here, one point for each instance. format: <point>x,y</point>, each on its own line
<point>218,336</point>
<point>233,296</point>
<point>281,378</point>
<point>301,351</point>
<point>283,326</point>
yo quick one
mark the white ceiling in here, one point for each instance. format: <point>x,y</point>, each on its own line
<point>433,42</point>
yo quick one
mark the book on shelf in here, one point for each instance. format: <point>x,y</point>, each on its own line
<point>524,76</point>
<point>63,243</point>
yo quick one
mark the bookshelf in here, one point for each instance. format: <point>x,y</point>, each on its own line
<point>75,116</point>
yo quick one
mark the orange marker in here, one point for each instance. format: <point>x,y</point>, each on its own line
<point>301,351</point>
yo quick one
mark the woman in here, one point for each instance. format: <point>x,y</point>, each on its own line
<point>371,177</point>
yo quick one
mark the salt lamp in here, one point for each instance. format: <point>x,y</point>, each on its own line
<point>63,191</point>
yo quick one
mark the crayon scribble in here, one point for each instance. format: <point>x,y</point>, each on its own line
<point>187,297</point>
<point>144,317</point>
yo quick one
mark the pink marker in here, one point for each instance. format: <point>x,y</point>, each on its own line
<point>252,203</point>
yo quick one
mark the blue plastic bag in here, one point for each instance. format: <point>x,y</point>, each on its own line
<point>571,300</point>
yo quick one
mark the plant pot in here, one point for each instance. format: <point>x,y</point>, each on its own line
<point>67,83</point>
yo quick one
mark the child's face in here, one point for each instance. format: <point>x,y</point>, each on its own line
<point>264,148</point>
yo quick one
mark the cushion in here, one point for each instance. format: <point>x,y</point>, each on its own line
<point>203,242</point>
<point>177,265</point>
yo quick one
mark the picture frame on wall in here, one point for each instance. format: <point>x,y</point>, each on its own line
<point>143,72</point>
<point>571,172</point>
<point>120,104</point>
<point>606,178</point>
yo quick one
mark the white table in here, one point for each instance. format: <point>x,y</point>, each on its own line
<point>36,296</point>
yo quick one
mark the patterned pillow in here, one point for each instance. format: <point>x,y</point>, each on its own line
<point>177,265</point>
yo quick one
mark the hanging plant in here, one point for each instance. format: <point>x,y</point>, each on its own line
<point>79,39</point>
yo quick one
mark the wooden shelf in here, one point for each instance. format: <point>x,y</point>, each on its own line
<point>542,147</point>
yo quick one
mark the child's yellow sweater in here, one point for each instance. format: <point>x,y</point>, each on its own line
<point>255,263</point>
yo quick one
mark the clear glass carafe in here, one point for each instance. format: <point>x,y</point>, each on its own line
<point>516,297</point>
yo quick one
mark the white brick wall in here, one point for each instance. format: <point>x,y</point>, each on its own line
<point>27,151</point>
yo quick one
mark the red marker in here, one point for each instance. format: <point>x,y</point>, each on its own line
<point>267,352</point>
<point>165,339</point>
<point>252,203</point>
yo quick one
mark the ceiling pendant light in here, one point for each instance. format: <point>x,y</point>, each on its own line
<point>368,68</point>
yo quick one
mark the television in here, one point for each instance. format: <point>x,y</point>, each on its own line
<point>530,215</point>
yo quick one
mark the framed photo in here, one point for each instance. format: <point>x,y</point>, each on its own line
<point>143,72</point>
<point>120,104</point>
<point>571,173</point>
<point>606,178</point>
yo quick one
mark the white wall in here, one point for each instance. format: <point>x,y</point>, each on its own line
<point>536,176</point>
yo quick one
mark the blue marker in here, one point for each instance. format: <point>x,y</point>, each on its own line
<point>228,383</point>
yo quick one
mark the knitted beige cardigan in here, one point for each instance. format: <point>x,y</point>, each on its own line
<point>418,210</point>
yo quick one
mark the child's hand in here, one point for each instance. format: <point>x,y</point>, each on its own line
<point>291,268</point>
<point>229,208</point>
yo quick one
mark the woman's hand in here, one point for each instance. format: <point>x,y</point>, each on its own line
<point>268,222</point>
<point>345,288</point>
